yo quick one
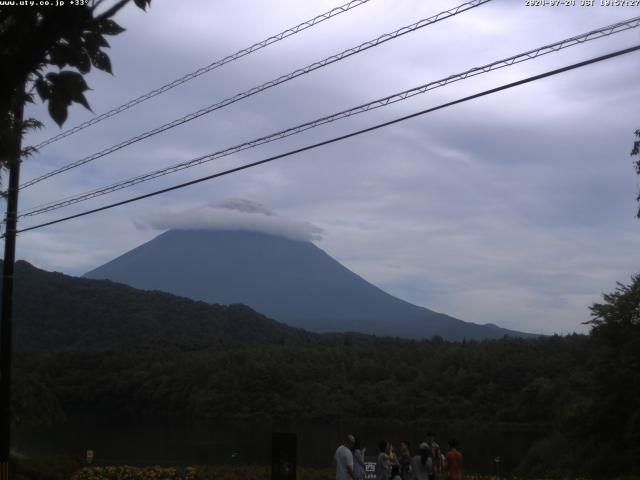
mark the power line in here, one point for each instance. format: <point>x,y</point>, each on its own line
<point>339,138</point>
<point>521,57</point>
<point>272,83</point>
<point>201,71</point>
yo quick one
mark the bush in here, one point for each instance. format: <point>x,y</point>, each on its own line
<point>49,468</point>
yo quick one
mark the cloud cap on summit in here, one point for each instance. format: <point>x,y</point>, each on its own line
<point>235,214</point>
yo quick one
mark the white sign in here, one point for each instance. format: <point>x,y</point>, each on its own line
<point>370,469</point>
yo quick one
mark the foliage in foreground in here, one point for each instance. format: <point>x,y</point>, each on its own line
<point>210,473</point>
<point>48,468</point>
<point>238,473</point>
<point>192,473</point>
<point>600,435</point>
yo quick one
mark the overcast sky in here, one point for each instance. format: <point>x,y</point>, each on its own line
<point>516,209</point>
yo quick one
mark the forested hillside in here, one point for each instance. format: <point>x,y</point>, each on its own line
<point>53,310</point>
<point>506,381</point>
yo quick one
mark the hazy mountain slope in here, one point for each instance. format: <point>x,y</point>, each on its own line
<point>55,310</point>
<point>292,281</point>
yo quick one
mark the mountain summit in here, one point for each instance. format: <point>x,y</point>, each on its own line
<point>290,280</point>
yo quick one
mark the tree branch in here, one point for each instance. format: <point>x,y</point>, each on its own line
<point>113,10</point>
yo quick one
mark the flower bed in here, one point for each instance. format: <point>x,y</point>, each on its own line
<point>191,473</point>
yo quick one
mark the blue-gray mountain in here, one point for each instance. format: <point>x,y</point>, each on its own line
<point>291,281</point>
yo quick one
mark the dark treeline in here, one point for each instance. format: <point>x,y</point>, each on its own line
<point>507,381</point>
<point>511,383</point>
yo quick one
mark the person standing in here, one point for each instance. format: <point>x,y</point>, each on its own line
<point>344,459</point>
<point>436,456</point>
<point>404,459</point>
<point>422,464</point>
<point>359,469</point>
<point>385,460</point>
<point>453,461</point>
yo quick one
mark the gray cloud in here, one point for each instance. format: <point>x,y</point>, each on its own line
<point>235,214</point>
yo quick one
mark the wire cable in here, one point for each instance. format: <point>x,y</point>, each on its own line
<point>339,138</point>
<point>201,71</point>
<point>272,83</point>
<point>521,57</point>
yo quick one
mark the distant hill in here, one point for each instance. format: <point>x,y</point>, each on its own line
<point>55,310</point>
<point>292,281</point>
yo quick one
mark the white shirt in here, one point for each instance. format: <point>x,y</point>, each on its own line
<point>421,472</point>
<point>344,459</point>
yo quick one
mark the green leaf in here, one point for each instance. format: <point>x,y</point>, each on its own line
<point>93,41</point>
<point>101,61</point>
<point>66,87</point>
<point>60,55</point>
<point>58,110</point>
<point>74,55</point>
<point>31,124</point>
<point>69,81</point>
<point>43,88</point>
<point>109,27</point>
<point>82,61</point>
<point>79,97</point>
<point>142,3</point>
<point>74,85</point>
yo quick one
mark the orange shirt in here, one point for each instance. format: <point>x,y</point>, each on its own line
<point>454,464</point>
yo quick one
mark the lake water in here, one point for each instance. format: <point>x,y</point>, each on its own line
<point>172,442</point>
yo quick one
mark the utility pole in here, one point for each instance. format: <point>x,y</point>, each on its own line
<point>6,315</point>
